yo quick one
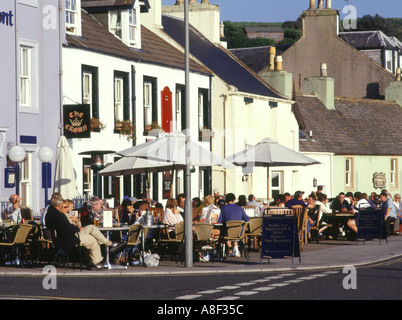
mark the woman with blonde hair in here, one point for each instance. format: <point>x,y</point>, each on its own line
<point>210,213</point>
<point>172,215</point>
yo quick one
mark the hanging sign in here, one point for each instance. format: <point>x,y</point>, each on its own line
<point>77,121</point>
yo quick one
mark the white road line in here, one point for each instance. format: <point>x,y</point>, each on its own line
<point>228,298</point>
<point>320,275</point>
<point>209,291</point>
<point>244,284</point>
<point>228,288</point>
<point>294,281</point>
<point>264,288</point>
<point>245,293</point>
<point>306,278</point>
<point>280,284</point>
<point>189,297</point>
<point>274,277</point>
<point>260,280</point>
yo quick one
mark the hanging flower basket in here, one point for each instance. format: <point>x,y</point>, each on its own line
<point>126,128</point>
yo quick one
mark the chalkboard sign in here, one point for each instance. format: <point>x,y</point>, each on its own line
<point>369,224</point>
<point>279,237</point>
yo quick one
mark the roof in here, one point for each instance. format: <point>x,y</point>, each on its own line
<point>222,63</point>
<point>263,29</point>
<point>370,39</point>
<point>154,50</point>
<point>356,127</point>
<point>257,58</point>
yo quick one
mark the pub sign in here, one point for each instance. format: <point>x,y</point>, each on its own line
<point>77,121</point>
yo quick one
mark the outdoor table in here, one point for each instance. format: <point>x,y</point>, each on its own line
<point>334,219</point>
<point>107,230</point>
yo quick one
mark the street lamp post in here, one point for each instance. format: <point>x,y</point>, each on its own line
<point>45,155</point>
<point>17,155</point>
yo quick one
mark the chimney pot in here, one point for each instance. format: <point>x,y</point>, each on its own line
<point>272,53</point>
<point>205,1</point>
<point>193,1</point>
<point>320,4</point>
<point>312,5</point>
<point>179,2</point>
<point>324,71</point>
<point>278,63</point>
<point>329,4</point>
<point>398,74</point>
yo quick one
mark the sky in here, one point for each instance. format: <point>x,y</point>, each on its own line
<point>290,10</point>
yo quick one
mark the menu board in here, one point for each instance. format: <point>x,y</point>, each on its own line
<point>279,237</point>
<point>370,224</point>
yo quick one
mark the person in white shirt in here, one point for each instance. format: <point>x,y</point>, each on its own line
<point>13,210</point>
<point>210,213</point>
<point>361,203</point>
<point>252,202</point>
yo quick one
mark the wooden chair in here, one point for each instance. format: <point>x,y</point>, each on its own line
<point>18,242</point>
<point>26,214</point>
<point>156,212</point>
<point>315,229</point>
<point>301,217</point>
<point>254,232</point>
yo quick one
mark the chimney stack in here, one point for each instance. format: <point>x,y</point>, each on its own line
<point>394,91</point>
<point>323,87</point>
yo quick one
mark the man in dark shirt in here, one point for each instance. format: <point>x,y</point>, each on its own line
<point>231,212</point>
<point>340,205</point>
<point>296,201</point>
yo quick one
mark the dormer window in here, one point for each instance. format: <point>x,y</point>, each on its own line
<point>73,17</point>
<point>125,25</point>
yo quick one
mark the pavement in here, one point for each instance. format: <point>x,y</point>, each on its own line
<point>327,254</point>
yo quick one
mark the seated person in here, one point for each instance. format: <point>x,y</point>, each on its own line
<point>210,213</point>
<point>340,205</point>
<point>171,216</point>
<point>90,237</point>
<point>231,212</point>
<point>13,210</point>
<point>296,201</point>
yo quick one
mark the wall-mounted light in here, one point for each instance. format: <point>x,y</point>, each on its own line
<point>314,182</point>
<point>244,178</point>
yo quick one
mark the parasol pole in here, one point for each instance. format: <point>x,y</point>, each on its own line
<point>188,227</point>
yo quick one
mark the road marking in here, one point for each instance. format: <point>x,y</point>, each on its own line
<point>332,272</point>
<point>189,297</point>
<point>307,278</point>
<point>245,293</point>
<point>280,284</point>
<point>320,275</point>
<point>209,291</point>
<point>294,281</point>
<point>228,298</point>
<point>228,288</point>
<point>261,280</point>
<point>274,277</point>
<point>264,288</point>
<point>243,284</point>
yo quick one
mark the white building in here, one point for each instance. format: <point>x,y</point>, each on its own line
<point>126,72</point>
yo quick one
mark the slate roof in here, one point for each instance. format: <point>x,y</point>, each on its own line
<point>154,50</point>
<point>369,39</point>
<point>219,60</point>
<point>257,58</point>
<point>356,127</point>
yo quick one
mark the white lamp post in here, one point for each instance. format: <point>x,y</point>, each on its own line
<point>45,155</point>
<point>16,155</point>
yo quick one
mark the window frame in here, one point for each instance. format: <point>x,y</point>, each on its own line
<point>74,27</point>
<point>94,99</point>
<point>394,172</point>
<point>349,172</point>
<point>32,106</point>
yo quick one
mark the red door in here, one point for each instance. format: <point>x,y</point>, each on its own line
<point>166,112</point>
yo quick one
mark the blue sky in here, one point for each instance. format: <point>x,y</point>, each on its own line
<point>284,10</point>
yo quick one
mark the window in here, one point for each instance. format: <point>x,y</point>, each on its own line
<point>25,76</point>
<point>348,181</point>
<point>388,60</point>
<point>26,180</point>
<point>394,170</point>
<point>276,184</point>
<point>73,17</point>
<point>133,27</point>
<point>118,99</point>
<point>87,176</point>
<point>148,103</point>
<point>178,104</point>
<point>200,111</point>
<point>115,25</point>
<point>90,89</point>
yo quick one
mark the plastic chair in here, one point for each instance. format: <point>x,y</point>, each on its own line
<point>18,241</point>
